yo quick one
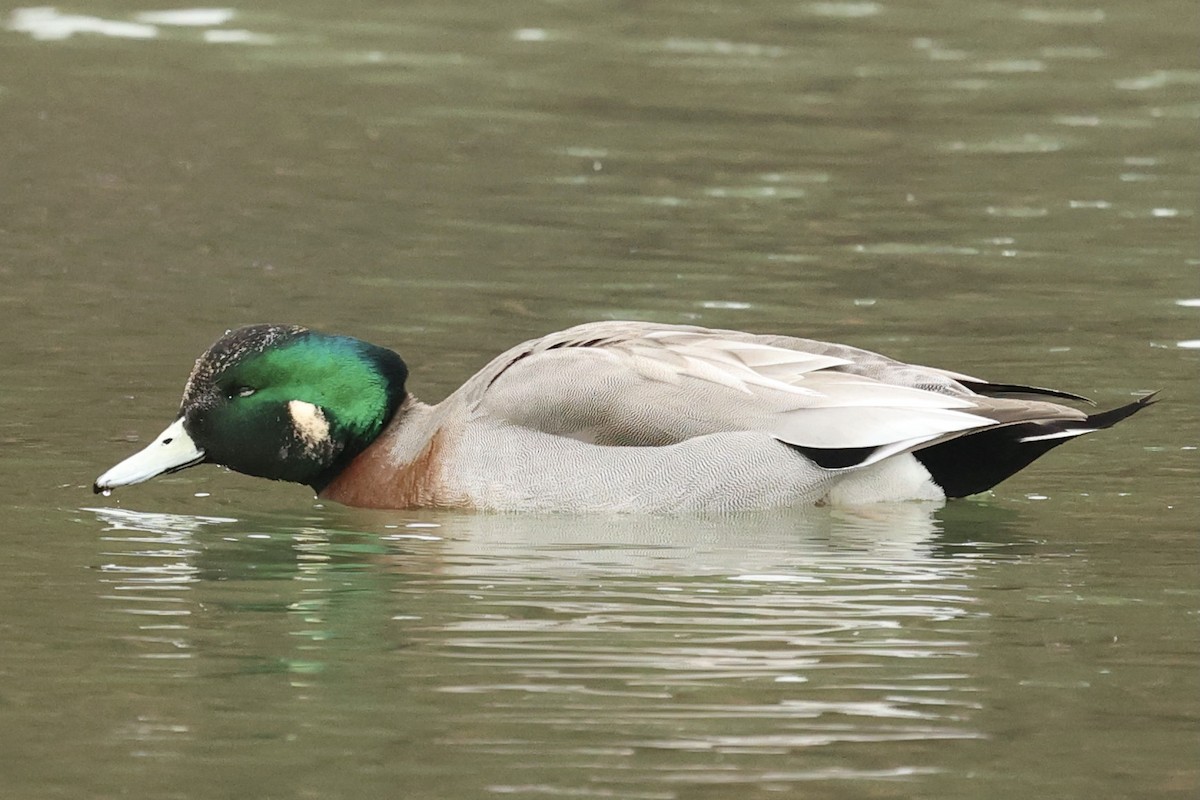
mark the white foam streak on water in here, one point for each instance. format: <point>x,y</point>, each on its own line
<point>48,24</point>
<point>187,17</point>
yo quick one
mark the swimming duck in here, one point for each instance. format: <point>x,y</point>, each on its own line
<point>607,416</point>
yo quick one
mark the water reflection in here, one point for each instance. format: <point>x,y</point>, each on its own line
<point>646,645</point>
<point>152,578</point>
<point>766,635</point>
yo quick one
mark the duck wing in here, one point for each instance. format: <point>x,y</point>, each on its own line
<point>645,384</point>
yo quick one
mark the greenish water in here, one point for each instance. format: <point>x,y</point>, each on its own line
<point>1003,189</point>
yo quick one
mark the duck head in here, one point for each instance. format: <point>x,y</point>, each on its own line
<point>275,401</point>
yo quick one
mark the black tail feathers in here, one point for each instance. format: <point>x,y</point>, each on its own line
<point>976,462</point>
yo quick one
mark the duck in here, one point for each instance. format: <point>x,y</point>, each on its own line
<point>611,416</point>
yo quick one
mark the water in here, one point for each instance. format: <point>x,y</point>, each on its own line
<point>1001,190</point>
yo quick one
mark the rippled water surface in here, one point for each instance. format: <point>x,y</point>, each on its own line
<point>1004,189</point>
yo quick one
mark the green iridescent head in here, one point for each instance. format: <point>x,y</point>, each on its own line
<point>276,401</point>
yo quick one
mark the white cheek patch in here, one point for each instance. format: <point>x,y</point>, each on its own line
<point>310,424</point>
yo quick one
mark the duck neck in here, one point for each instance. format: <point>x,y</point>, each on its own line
<point>397,469</point>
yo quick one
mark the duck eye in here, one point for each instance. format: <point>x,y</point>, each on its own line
<point>240,391</point>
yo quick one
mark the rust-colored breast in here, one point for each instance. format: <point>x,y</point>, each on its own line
<point>374,481</point>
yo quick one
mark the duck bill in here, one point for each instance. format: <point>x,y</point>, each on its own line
<point>171,451</point>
